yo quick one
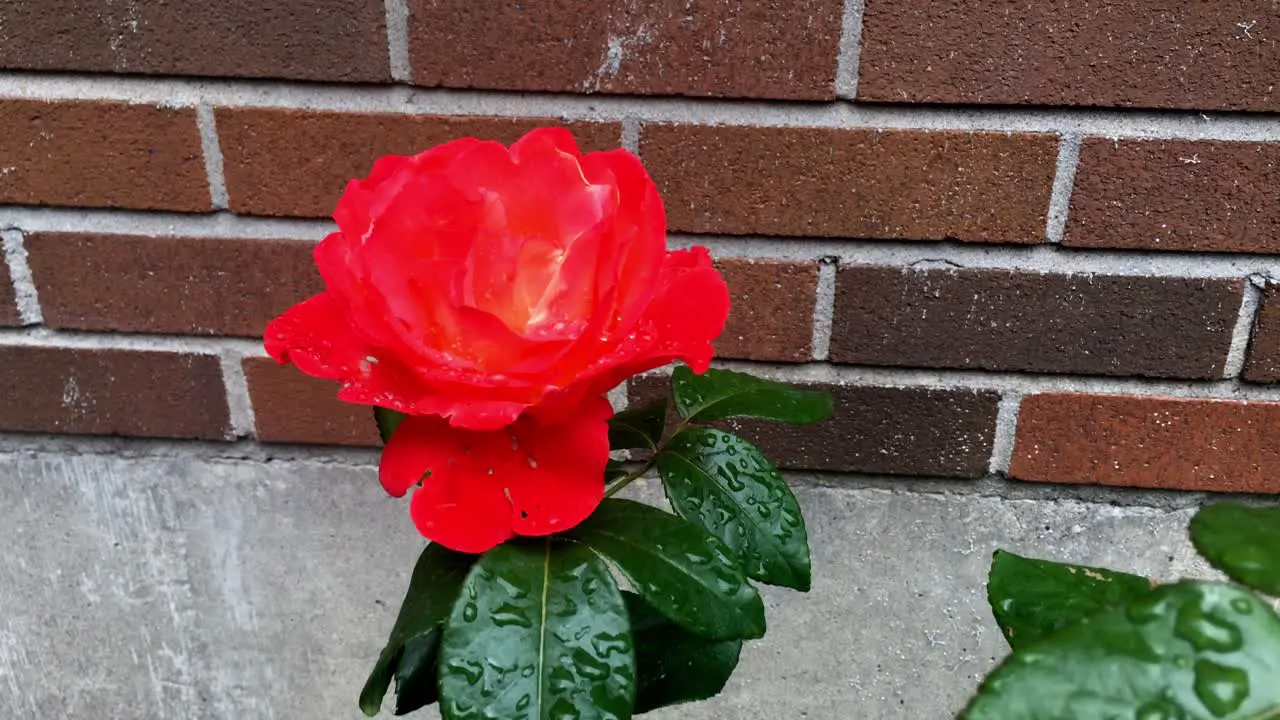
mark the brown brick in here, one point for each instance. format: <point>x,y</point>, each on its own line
<point>771,311</point>
<point>1009,320</point>
<point>289,407</point>
<point>101,154</point>
<point>301,40</point>
<point>877,430</point>
<point>192,286</point>
<point>1149,442</point>
<point>1220,55</point>
<point>112,392</point>
<point>782,49</point>
<point>1263,362</point>
<point>1176,195</point>
<point>8,302</point>
<point>893,184</point>
<point>297,162</point>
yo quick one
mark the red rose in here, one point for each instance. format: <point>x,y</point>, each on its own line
<point>495,295</point>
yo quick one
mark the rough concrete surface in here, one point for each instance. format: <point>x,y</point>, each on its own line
<point>183,587</point>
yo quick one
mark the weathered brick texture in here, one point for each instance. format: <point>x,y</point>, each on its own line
<point>1219,55</point>
<point>180,285</point>
<point>1149,442</point>
<point>1176,195</point>
<point>890,184</point>
<point>343,40</point>
<point>771,313</point>
<point>112,392</point>
<point>101,154</point>
<point>296,162</point>
<point>1031,322</point>
<point>289,407</point>
<point>8,302</point>
<point>1263,362</point>
<point>782,49</point>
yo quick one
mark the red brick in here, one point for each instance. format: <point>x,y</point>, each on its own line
<point>112,392</point>
<point>771,312</point>
<point>1263,362</point>
<point>876,430</point>
<point>1031,322</point>
<point>1176,195</point>
<point>1220,55</point>
<point>8,302</point>
<point>190,286</point>
<point>296,162</point>
<point>891,184</point>
<point>1149,442</point>
<point>101,154</point>
<point>342,40</point>
<point>782,49</point>
<point>289,407</point>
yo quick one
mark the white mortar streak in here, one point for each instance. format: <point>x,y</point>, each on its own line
<point>1063,182</point>
<point>212,148</point>
<point>618,398</point>
<point>824,308</point>
<point>44,337</point>
<point>398,40</point>
<point>850,50</point>
<point>631,134</point>
<point>176,92</point>
<point>239,404</point>
<point>1006,429</point>
<point>1238,351</point>
<point>24,285</point>
<point>121,222</point>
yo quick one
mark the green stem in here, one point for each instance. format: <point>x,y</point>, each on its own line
<point>658,450</point>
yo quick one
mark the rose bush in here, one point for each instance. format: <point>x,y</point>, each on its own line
<point>494,295</point>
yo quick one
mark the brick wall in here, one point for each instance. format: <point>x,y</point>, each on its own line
<point>1033,239</point>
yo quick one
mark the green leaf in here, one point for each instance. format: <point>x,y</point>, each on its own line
<point>614,471</point>
<point>639,428</point>
<point>409,655</point>
<point>673,665</point>
<point>388,421</point>
<point>539,632</point>
<point>688,575</point>
<point>720,394</point>
<point>725,485</point>
<point>1190,651</point>
<point>1242,542</point>
<point>1033,598</point>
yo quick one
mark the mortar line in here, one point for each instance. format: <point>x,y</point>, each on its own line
<point>824,308</point>
<point>236,389</point>
<point>1238,350</point>
<point>1005,433</point>
<point>26,299</point>
<point>850,51</point>
<point>398,40</point>
<point>177,92</point>
<point>212,148</point>
<point>77,339</point>
<point>631,134</point>
<point>1063,183</point>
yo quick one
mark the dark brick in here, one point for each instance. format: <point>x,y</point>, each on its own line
<point>1009,320</point>
<point>342,40</point>
<point>101,154</point>
<point>782,49</point>
<point>1149,442</point>
<point>289,407</point>
<point>1176,195</point>
<point>112,392</point>
<point>1219,55</point>
<point>1263,362</point>
<point>892,184</point>
<point>192,286</point>
<point>877,430</point>
<point>297,162</point>
<point>8,302</point>
<point>771,315</point>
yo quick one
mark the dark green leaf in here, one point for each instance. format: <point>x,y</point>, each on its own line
<point>388,421</point>
<point>1032,598</point>
<point>725,485</point>
<point>673,665</point>
<point>409,654</point>
<point>539,632</point>
<point>638,428</point>
<point>688,575</point>
<point>1242,542</point>
<point>1190,651</point>
<point>720,394</point>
